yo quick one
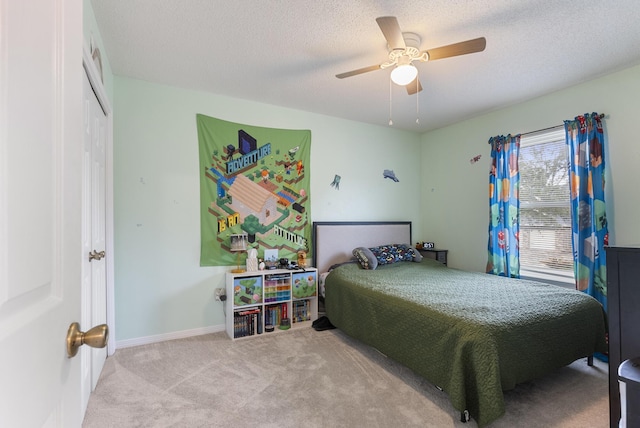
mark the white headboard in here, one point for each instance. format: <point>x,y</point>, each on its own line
<point>333,242</point>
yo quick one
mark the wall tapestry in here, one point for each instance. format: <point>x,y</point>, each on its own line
<point>255,181</point>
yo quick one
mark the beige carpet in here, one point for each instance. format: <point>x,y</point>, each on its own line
<point>305,378</point>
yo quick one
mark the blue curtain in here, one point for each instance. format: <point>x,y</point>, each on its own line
<point>585,139</point>
<point>504,206</point>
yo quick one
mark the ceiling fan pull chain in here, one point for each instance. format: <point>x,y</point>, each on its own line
<point>390,121</point>
<point>417,102</point>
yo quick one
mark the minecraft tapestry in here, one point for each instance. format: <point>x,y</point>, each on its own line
<point>255,181</point>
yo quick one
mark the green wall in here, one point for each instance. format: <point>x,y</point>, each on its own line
<point>159,286</point>
<point>454,194</point>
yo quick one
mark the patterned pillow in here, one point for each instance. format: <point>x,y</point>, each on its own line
<point>392,253</point>
<point>366,258</point>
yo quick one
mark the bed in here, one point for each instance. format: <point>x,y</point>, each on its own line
<point>471,334</point>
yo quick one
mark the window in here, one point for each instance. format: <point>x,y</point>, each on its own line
<point>545,208</point>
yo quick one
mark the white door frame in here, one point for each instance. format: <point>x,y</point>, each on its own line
<point>98,88</point>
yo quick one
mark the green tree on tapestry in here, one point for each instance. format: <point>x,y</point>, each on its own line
<point>253,180</point>
<point>252,226</point>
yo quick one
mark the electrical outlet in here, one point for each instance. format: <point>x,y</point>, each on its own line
<point>220,292</point>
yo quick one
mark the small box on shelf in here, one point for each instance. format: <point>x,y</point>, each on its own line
<point>277,287</point>
<point>247,290</point>
<point>305,284</point>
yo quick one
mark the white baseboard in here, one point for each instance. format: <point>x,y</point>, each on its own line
<point>128,343</point>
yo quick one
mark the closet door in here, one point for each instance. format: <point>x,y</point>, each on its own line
<point>94,292</point>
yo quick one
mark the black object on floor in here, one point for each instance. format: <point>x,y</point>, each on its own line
<point>322,323</point>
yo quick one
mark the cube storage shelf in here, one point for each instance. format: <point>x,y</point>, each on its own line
<point>270,301</point>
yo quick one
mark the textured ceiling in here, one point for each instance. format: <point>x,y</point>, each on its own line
<point>287,52</point>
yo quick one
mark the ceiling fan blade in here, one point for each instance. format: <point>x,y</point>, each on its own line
<point>414,87</point>
<point>462,48</point>
<point>391,30</point>
<point>358,71</point>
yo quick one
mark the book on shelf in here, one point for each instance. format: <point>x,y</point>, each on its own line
<point>247,322</point>
<point>301,310</point>
<point>275,276</point>
<point>275,313</point>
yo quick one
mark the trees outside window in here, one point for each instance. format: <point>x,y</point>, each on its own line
<point>545,208</point>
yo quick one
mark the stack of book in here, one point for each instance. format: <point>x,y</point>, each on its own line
<point>247,322</point>
<point>301,310</point>
<point>275,313</point>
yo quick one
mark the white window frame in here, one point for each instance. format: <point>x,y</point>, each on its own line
<point>546,275</point>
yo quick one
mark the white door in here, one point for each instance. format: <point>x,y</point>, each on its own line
<point>94,292</point>
<point>40,210</point>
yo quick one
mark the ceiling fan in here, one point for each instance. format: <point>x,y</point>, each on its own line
<point>404,49</point>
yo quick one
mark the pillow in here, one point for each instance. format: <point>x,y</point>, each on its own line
<point>365,257</point>
<point>417,255</point>
<point>392,253</point>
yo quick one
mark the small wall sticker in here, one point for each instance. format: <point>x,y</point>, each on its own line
<point>336,182</point>
<point>388,173</point>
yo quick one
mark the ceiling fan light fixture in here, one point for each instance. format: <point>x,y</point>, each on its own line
<point>404,74</point>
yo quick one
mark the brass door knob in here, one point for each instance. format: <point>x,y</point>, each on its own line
<point>96,338</point>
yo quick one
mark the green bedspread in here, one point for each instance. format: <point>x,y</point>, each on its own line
<point>472,334</point>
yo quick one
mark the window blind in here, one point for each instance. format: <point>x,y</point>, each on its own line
<point>545,205</point>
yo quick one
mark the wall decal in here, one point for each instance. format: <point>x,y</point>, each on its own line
<point>475,159</point>
<point>336,182</point>
<point>388,173</point>
<point>253,180</point>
